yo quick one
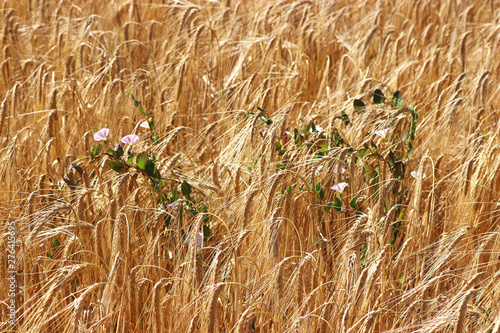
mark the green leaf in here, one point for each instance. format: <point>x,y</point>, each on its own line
<point>203,208</point>
<point>397,100</point>
<point>115,165</point>
<point>304,130</point>
<point>95,150</point>
<point>414,113</point>
<point>151,170</point>
<point>399,170</point>
<point>337,204</point>
<point>362,257</point>
<point>289,188</point>
<point>206,218</point>
<point>206,231</point>
<point>261,109</point>
<point>366,168</point>
<point>411,133</point>
<point>55,241</point>
<point>378,97</point>
<point>321,194</point>
<point>374,174</point>
<point>410,149</point>
<point>359,106</point>
<point>345,117</point>
<point>174,194</point>
<point>186,189</point>
<point>391,159</point>
<point>266,120</point>
<point>354,202</point>
<point>297,137</point>
<point>141,161</point>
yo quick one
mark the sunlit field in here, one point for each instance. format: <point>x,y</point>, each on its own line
<point>251,166</point>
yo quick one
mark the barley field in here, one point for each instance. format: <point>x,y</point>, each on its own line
<point>249,166</point>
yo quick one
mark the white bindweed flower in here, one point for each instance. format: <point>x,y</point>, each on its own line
<point>131,138</point>
<point>145,123</point>
<point>285,133</point>
<point>340,187</point>
<point>199,239</point>
<point>59,183</point>
<point>414,174</point>
<point>101,135</point>
<point>382,133</point>
<point>318,129</point>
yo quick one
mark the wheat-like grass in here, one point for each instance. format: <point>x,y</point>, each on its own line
<point>233,89</point>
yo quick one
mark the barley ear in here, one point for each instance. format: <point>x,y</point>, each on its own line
<point>460,327</point>
<point>213,306</point>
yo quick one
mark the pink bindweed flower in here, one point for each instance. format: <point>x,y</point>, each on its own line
<point>199,239</point>
<point>101,135</point>
<point>382,133</point>
<point>145,123</point>
<point>131,138</point>
<point>414,174</point>
<point>173,205</point>
<point>339,187</point>
<point>265,130</point>
<point>285,133</point>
